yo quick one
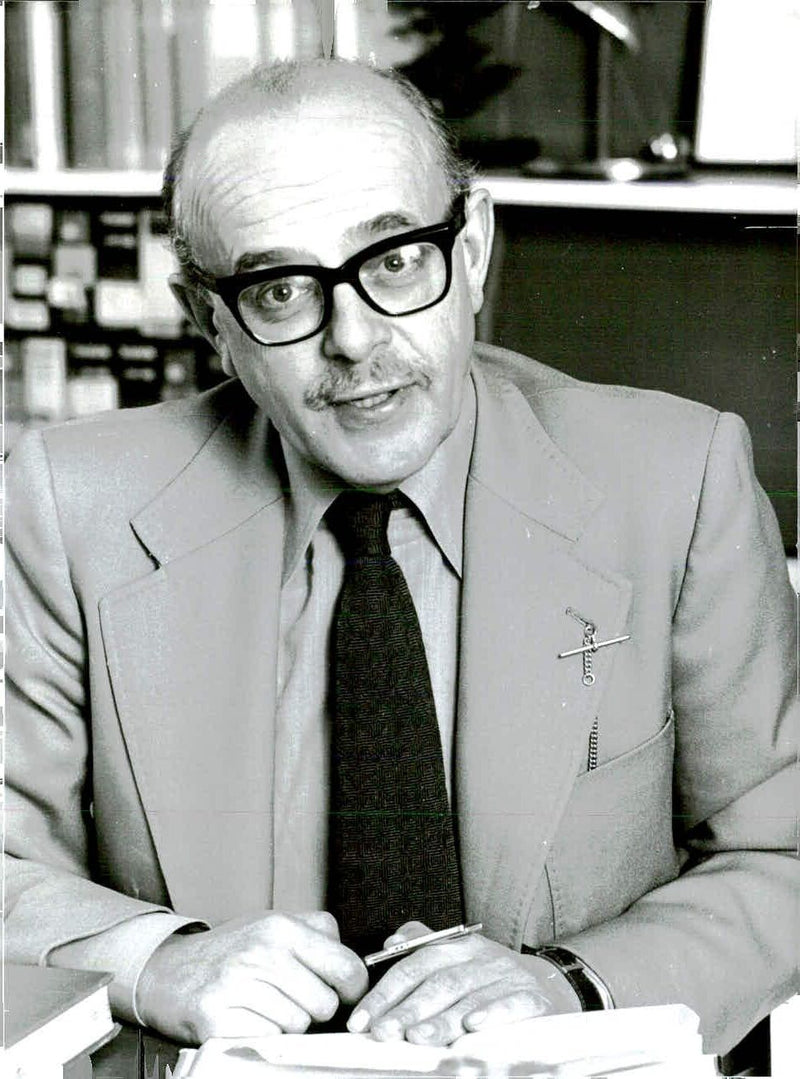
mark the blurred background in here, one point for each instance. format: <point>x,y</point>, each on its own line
<point>642,157</point>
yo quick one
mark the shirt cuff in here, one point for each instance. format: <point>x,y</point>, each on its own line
<point>124,951</point>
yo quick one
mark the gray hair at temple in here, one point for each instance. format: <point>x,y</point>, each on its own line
<point>276,80</point>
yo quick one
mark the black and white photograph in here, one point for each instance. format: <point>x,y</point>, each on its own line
<point>400,578</point>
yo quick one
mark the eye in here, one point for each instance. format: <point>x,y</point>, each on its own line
<point>279,299</point>
<point>400,266</point>
<point>395,261</point>
<point>276,294</point>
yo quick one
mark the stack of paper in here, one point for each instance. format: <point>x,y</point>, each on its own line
<point>52,1017</point>
<point>658,1041</point>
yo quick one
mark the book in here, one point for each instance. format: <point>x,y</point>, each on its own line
<point>658,1041</point>
<point>124,105</point>
<point>156,82</point>
<point>91,389</point>
<point>277,29</point>
<point>117,238</point>
<point>45,53</point>
<point>44,384</point>
<point>161,313</point>
<point>140,371</point>
<point>85,85</point>
<point>19,134</point>
<point>233,43</point>
<point>52,1016</point>
<point>179,373</point>
<point>190,59</point>
<point>747,109</point>
<point>29,228</point>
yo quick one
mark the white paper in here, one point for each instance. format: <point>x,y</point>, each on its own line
<point>570,1045</point>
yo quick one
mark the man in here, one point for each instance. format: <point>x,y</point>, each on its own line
<point>176,573</point>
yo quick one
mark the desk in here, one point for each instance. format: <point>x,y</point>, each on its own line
<point>134,1054</point>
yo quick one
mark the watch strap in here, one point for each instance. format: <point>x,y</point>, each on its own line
<point>591,990</point>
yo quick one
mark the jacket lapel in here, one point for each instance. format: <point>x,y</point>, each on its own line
<point>191,654</point>
<point>524,715</point>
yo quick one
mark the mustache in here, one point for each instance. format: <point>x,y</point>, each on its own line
<point>339,380</point>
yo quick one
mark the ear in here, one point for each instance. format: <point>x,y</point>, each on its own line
<point>200,312</point>
<point>196,307</point>
<point>477,237</point>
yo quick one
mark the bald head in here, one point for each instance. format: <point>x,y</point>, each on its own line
<point>265,112</point>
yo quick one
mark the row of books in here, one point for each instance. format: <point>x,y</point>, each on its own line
<point>91,323</point>
<point>108,83</point>
<point>69,268</point>
<point>50,378</point>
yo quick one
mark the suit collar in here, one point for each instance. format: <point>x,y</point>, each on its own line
<point>516,459</point>
<point>239,470</point>
<point>235,473</point>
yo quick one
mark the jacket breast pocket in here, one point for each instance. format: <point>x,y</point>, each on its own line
<point>615,839</point>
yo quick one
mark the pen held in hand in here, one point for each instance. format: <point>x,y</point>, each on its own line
<point>406,946</point>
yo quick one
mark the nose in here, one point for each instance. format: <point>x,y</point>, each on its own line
<point>354,329</point>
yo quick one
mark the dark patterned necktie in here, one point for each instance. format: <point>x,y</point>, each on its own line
<point>391,851</point>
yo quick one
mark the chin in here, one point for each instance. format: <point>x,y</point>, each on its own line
<point>377,477</point>
<point>377,463</point>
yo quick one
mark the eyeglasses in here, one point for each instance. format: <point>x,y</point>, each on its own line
<point>399,275</point>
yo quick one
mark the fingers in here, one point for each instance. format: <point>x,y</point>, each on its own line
<point>438,991</point>
<point>443,990</point>
<point>336,965</point>
<point>409,973</point>
<point>394,986</point>
<point>305,988</point>
<point>321,920</point>
<point>253,1009</point>
<point>250,976</point>
<point>235,1023</point>
<point>511,1008</point>
<point>494,1005</point>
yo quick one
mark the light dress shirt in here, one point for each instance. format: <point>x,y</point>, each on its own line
<point>427,543</point>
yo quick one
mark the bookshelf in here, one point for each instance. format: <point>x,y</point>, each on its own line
<point>685,284</point>
<point>712,191</point>
<point>622,258</point>
<point>90,322</point>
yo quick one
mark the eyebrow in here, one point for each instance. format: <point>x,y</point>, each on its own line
<point>287,256</point>
<point>394,219</point>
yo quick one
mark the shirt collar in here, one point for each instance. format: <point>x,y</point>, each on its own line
<point>437,491</point>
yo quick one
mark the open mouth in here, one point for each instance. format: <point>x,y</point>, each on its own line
<point>372,400</point>
<point>376,399</point>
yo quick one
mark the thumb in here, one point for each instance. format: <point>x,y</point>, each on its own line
<point>407,931</point>
<point>321,921</point>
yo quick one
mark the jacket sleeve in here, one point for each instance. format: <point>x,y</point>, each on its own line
<point>723,937</point>
<point>51,900</point>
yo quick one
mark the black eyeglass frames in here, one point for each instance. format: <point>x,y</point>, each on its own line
<point>396,276</point>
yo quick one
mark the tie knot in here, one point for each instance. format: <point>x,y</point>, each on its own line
<point>359,521</point>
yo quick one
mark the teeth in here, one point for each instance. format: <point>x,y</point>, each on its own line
<point>370,402</point>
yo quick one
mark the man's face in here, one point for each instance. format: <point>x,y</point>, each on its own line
<point>369,397</point>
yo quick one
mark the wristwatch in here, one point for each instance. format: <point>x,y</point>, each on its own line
<point>592,991</point>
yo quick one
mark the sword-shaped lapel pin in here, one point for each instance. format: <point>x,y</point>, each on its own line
<point>590,645</point>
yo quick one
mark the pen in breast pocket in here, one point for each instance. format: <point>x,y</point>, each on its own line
<point>406,946</point>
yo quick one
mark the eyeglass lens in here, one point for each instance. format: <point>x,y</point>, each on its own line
<point>398,282</point>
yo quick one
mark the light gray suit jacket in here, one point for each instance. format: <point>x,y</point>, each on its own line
<point>144,573</point>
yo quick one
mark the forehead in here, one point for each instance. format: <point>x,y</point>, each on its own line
<point>306,174</point>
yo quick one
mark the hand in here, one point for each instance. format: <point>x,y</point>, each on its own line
<point>444,990</point>
<point>250,977</point>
